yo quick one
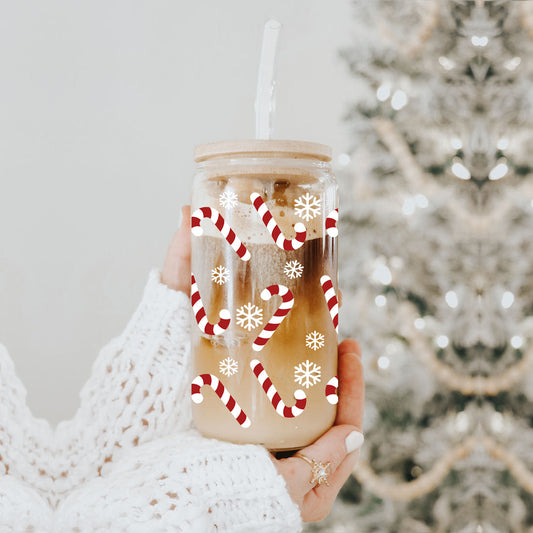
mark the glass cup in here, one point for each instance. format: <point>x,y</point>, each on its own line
<point>264,283</point>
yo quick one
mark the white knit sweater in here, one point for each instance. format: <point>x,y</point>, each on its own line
<point>129,460</point>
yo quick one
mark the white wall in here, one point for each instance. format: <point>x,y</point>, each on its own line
<point>101,105</point>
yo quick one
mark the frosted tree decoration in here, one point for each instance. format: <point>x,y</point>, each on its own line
<point>436,266</point>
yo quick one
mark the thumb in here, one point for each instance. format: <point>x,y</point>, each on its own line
<point>176,272</point>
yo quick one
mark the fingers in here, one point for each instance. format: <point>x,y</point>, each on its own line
<point>318,502</point>
<point>350,346</point>
<point>176,272</point>
<point>339,446</point>
<point>330,448</point>
<point>351,385</point>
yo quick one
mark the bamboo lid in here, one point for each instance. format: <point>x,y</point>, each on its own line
<point>263,148</point>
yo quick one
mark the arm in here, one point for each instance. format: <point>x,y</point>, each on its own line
<point>231,487</point>
<point>118,442</point>
<point>137,392</point>
<point>185,483</point>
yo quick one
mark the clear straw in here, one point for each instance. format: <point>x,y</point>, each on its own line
<point>264,100</point>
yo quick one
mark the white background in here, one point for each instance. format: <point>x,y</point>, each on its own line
<point>101,105</point>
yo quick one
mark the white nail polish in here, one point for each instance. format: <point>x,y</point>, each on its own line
<point>354,441</point>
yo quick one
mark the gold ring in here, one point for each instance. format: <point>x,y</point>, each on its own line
<point>319,470</point>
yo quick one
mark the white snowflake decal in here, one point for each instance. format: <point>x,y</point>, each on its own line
<point>307,206</point>
<point>314,340</point>
<point>228,366</point>
<point>307,374</point>
<point>249,316</point>
<point>293,269</point>
<point>220,274</point>
<point>228,199</point>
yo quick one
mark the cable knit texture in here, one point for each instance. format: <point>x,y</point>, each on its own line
<point>129,459</point>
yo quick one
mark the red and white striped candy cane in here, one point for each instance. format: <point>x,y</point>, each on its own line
<point>281,312</point>
<point>222,226</point>
<point>331,300</point>
<point>273,395</point>
<point>221,391</point>
<point>331,223</point>
<point>273,228</point>
<point>201,315</point>
<point>331,390</point>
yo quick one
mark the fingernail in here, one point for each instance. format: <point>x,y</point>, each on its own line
<point>354,441</point>
<point>180,218</point>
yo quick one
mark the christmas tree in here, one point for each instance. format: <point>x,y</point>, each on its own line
<point>436,266</point>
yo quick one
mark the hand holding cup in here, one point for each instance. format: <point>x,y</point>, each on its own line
<point>339,445</point>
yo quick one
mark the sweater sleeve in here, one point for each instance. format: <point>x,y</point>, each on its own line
<point>128,460</point>
<point>138,389</point>
<point>185,483</point>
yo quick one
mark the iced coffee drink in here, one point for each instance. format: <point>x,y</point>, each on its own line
<point>264,268</point>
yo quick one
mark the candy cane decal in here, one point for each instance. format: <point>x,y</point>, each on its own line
<point>225,397</point>
<point>331,223</point>
<point>273,228</point>
<point>273,395</point>
<point>224,228</point>
<point>201,315</point>
<point>277,318</point>
<point>331,390</point>
<point>331,300</point>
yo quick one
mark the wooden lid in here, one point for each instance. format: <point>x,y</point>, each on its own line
<point>263,148</point>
